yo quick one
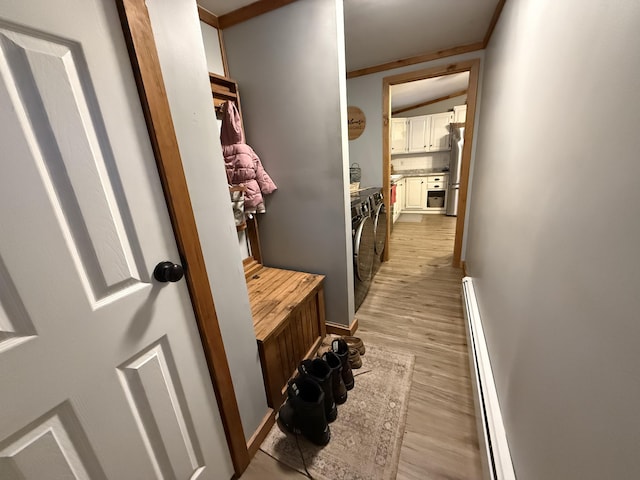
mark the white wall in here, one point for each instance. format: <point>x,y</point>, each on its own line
<point>553,248</point>
<point>290,69</point>
<point>213,53</point>
<point>212,50</point>
<point>177,32</point>
<point>366,93</point>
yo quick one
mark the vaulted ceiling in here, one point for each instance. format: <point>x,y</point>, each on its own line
<point>379,32</point>
<point>427,91</point>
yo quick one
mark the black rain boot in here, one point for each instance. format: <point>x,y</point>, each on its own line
<point>320,371</point>
<point>341,349</point>
<point>337,384</point>
<point>303,412</point>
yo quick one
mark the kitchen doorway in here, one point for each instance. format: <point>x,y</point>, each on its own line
<point>472,67</point>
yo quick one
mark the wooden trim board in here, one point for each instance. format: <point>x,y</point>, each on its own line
<point>494,21</point>
<point>138,34</point>
<point>207,17</point>
<point>426,57</point>
<point>386,162</point>
<point>343,330</point>
<point>249,11</point>
<point>471,66</point>
<point>253,445</point>
<point>223,54</point>
<point>253,237</point>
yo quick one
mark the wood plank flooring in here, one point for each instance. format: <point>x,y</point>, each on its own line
<point>415,304</point>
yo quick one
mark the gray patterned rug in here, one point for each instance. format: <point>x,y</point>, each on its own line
<point>367,435</point>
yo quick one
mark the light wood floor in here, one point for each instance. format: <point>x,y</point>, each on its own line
<point>415,304</point>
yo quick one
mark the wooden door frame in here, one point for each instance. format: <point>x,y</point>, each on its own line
<point>138,33</point>
<point>471,66</point>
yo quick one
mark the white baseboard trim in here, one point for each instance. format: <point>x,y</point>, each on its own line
<point>494,448</point>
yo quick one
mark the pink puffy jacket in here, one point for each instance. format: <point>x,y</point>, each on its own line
<point>242,163</point>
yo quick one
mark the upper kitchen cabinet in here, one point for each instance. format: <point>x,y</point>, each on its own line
<point>428,133</point>
<point>399,135</point>
<point>418,136</point>
<point>460,114</point>
<point>439,132</point>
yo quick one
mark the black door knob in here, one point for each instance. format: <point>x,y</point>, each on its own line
<point>168,272</point>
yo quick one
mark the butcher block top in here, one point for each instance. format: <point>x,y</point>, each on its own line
<point>275,294</point>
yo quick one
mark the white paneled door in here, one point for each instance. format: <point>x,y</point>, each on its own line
<point>102,373</point>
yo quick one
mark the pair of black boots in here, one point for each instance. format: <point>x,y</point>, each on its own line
<point>322,384</point>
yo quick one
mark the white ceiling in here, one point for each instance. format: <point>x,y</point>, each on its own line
<point>380,31</point>
<point>412,93</point>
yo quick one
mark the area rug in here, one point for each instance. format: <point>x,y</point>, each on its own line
<point>367,435</point>
<point>410,217</point>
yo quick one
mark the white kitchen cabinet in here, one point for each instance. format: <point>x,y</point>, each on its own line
<point>399,205</point>
<point>437,182</point>
<point>419,133</point>
<point>436,201</point>
<point>439,131</point>
<point>415,197</point>
<point>426,194</point>
<point>399,135</point>
<point>460,114</point>
<point>429,133</point>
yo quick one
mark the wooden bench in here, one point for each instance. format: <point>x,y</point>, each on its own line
<point>288,319</point>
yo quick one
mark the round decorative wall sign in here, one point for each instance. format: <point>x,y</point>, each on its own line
<point>356,122</point>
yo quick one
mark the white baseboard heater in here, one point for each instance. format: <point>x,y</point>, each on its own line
<point>494,449</point>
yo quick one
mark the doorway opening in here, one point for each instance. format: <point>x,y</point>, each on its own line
<point>429,130</point>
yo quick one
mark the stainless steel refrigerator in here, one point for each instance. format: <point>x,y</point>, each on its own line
<point>455,164</point>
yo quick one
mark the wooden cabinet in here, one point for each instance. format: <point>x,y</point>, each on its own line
<point>398,135</point>
<point>289,322</point>
<point>428,133</point>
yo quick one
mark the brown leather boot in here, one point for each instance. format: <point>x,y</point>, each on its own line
<point>355,361</point>
<point>355,342</point>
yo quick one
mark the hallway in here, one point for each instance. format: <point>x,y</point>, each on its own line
<point>415,304</point>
